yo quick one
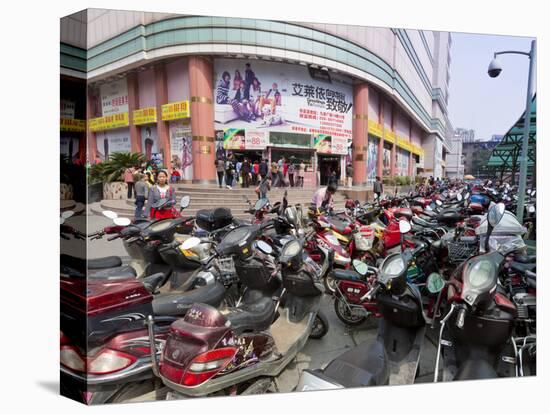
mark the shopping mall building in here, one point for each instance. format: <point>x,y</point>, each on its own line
<point>188,89</point>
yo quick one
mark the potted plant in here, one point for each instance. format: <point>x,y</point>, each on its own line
<point>109,173</point>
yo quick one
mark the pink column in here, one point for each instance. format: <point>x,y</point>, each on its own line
<point>133,103</point>
<point>393,156</point>
<point>410,172</point>
<point>360,133</point>
<point>380,161</point>
<point>202,118</point>
<point>161,95</point>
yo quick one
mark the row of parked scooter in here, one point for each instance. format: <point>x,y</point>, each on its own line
<point>211,305</point>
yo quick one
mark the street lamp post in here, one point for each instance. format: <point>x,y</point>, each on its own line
<point>494,70</point>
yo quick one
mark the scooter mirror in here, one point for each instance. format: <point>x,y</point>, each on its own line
<point>184,202</point>
<point>435,283</point>
<point>459,197</point>
<point>109,214</point>
<point>122,221</point>
<point>438,202</point>
<point>495,214</point>
<point>360,267</point>
<point>264,247</point>
<point>61,220</point>
<point>531,209</point>
<point>429,208</point>
<point>533,193</point>
<point>467,196</point>
<point>376,196</point>
<point>404,226</point>
<point>67,214</point>
<point>190,243</point>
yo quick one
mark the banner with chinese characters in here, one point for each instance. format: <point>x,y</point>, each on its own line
<point>109,122</point>
<point>72,125</point>
<point>175,110</point>
<point>279,97</point>
<point>376,129</point>
<point>145,116</point>
<point>114,97</point>
<point>404,143</point>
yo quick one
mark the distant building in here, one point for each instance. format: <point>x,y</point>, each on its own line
<point>476,154</point>
<point>466,135</point>
<point>496,138</point>
<point>455,159</point>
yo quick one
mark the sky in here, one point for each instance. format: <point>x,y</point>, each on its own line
<point>476,101</point>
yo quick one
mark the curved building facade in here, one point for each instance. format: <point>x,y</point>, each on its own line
<point>189,89</point>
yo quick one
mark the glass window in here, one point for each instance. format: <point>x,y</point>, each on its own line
<point>290,139</point>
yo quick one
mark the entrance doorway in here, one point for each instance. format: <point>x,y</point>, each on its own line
<point>329,165</point>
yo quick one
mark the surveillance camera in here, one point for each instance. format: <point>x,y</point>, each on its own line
<point>494,68</point>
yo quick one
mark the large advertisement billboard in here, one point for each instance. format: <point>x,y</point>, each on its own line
<point>278,97</point>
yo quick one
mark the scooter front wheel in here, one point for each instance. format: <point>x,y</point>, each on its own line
<point>320,326</point>
<point>330,284</point>
<point>346,314</point>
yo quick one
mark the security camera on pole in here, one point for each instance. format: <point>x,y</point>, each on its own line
<point>494,70</point>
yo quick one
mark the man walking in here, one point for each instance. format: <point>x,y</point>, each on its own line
<point>378,188</point>
<point>142,189</point>
<point>349,174</point>
<point>129,180</point>
<point>220,169</point>
<point>263,169</point>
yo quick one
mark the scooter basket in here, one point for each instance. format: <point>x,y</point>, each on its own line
<point>364,238</point>
<point>461,250</point>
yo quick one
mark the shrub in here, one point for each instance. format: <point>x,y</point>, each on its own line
<point>112,169</point>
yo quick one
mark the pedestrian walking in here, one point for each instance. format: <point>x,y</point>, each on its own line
<point>378,187</point>
<point>246,175</point>
<point>129,180</point>
<point>263,187</point>
<point>229,173</point>
<point>220,169</point>
<point>291,172</point>
<point>255,173</point>
<point>301,173</point>
<point>349,174</point>
<point>141,189</point>
<point>264,168</point>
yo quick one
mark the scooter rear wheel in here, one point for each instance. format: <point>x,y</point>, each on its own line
<point>320,326</point>
<point>345,315</point>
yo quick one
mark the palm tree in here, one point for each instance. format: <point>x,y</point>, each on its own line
<point>113,169</point>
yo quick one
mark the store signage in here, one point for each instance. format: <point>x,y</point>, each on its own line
<point>404,143</point>
<point>376,129</point>
<point>256,139</point>
<point>325,144</point>
<point>175,110</point>
<point>145,116</point>
<point>67,108</point>
<point>114,97</point>
<point>109,122</point>
<point>72,125</point>
<point>417,150</point>
<point>278,97</point>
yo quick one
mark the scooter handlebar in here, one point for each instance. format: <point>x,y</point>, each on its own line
<point>116,236</point>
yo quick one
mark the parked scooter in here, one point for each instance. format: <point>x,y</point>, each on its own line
<point>239,350</point>
<point>477,327</point>
<point>394,356</point>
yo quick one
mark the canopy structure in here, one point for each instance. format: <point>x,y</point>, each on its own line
<point>504,160</point>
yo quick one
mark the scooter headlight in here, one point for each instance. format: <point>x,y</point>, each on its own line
<point>394,266</point>
<point>479,281</point>
<point>479,274</point>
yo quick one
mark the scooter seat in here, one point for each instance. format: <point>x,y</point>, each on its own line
<point>526,258</point>
<point>177,304</point>
<point>255,314</point>
<point>429,213</point>
<point>423,223</point>
<point>523,267</point>
<point>80,264</point>
<point>363,365</point>
<point>342,274</point>
<point>115,273</point>
<point>340,226</point>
